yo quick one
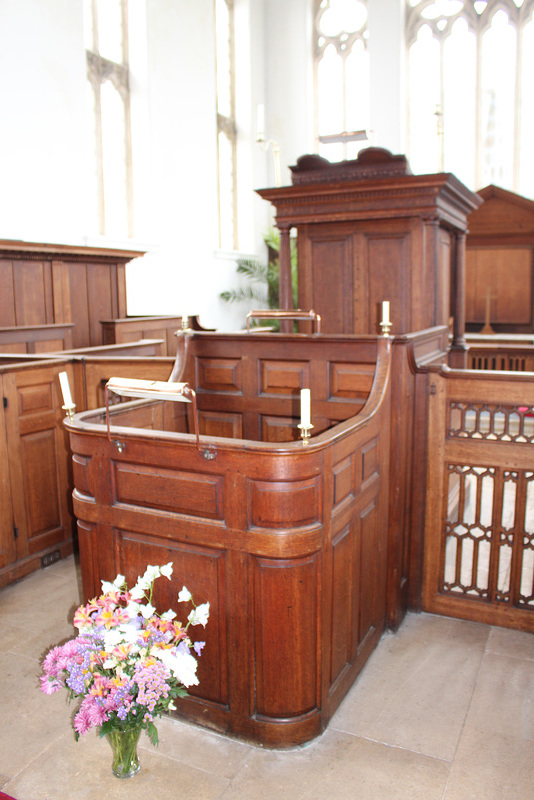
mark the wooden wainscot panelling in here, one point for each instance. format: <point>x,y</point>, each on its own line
<point>218,375</point>
<point>219,423</point>
<point>285,621</point>
<point>203,571</point>
<point>282,377</point>
<point>169,490</point>
<point>350,380</point>
<point>345,569</point>
<point>284,504</point>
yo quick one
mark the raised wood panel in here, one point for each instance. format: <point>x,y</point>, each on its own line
<point>287,665</point>
<point>370,582</point>
<point>332,279</point>
<point>343,569</point>
<point>290,504</point>
<point>218,423</point>
<point>505,275</point>
<point>30,293</point>
<point>203,571</point>
<point>283,377</point>
<point>8,317</point>
<point>390,275</point>
<point>101,299</point>
<point>279,429</point>
<point>42,489</point>
<point>218,375</point>
<point>343,478</point>
<point>81,336</point>
<point>81,474</point>
<point>169,490</point>
<point>370,462</point>
<point>350,380</point>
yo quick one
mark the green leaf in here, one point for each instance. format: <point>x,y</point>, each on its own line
<point>152,733</point>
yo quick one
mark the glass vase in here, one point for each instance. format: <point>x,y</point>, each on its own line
<point>124,743</point>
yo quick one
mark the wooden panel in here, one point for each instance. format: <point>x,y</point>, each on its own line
<point>99,299</point>
<point>391,273</point>
<point>343,477</point>
<point>286,667</point>
<point>217,423</point>
<point>79,309</point>
<point>41,485</point>
<point>370,579</point>
<point>350,380</point>
<point>332,281</point>
<point>169,490</point>
<point>7,294</point>
<point>501,277</point>
<point>30,293</point>
<point>279,429</point>
<point>343,569</point>
<point>218,375</point>
<point>203,571</point>
<point>283,377</point>
<point>370,461</point>
<point>284,504</point>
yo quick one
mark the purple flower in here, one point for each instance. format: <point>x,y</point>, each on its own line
<point>197,647</point>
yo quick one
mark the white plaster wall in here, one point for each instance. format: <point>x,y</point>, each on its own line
<point>43,128</point>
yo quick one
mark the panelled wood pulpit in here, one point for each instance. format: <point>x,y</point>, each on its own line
<point>368,231</point>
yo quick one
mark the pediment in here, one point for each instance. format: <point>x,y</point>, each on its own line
<point>502,212</point>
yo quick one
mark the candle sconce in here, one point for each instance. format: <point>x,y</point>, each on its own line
<point>305,431</point>
<point>69,410</point>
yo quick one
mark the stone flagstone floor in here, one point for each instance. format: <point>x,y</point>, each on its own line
<point>444,710</point>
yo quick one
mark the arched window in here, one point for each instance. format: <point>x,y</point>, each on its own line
<point>470,90</point>
<point>109,112</point>
<point>226,125</point>
<point>341,78</point>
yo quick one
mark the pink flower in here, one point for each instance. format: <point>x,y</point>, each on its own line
<point>50,685</point>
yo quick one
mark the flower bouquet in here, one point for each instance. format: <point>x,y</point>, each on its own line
<point>128,663</point>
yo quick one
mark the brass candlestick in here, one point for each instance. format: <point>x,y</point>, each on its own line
<point>69,410</point>
<point>385,328</point>
<point>305,432</point>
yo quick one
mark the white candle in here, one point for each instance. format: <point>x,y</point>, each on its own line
<point>185,321</point>
<point>65,389</point>
<point>260,128</point>
<point>305,408</point>
<point>385,312</point>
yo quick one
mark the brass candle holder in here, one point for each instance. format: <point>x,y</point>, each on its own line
<point>386,327</point>
<point>69,410</point>
<point>305,432</point>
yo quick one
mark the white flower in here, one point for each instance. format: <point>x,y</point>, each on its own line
<point>107,586</point>
<point>138,591</point>
<point>166,570</point>
<point>109,663</point>
<point>112,638</point>
<point>170,614</point>
<point>184,595</point>
<point>147,611</point>
<point>182,665</point>
<point>151,573</point>
<point>199,615</point>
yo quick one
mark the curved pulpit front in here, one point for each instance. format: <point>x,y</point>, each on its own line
<point>286,539</point>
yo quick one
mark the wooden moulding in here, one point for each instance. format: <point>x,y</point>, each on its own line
<point>288,542</point>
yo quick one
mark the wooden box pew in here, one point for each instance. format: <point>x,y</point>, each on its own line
<point>286,540</point>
